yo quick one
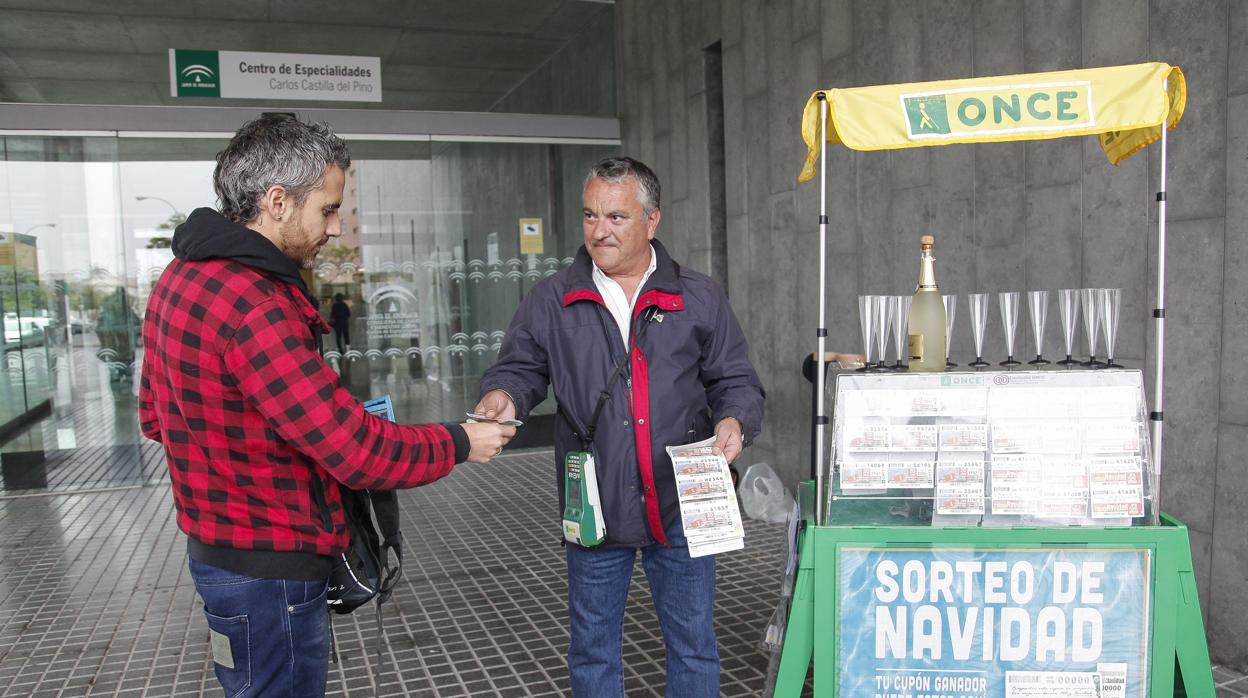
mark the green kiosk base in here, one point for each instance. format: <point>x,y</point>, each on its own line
<point>1175,655</point>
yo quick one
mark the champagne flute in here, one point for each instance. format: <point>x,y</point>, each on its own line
<point>1091,300</point>
<point>1038,304</point>
<point>866,318</point>
<point>1068,304</point>
<point>901,325</point>
<point>1009,320</point>
<point>884,322</point>
<point>951,309</point>
<point>979,320</point>
<point>1111,302</point>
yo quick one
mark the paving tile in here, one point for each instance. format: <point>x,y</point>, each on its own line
<point>477,613</point>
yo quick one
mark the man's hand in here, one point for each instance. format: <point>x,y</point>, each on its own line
<point>496,404</point>
<point>487,439</point>
<point>728,439</point>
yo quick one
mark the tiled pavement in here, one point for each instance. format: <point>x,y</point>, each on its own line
<point>1230,683</point>
<point>95,598</point>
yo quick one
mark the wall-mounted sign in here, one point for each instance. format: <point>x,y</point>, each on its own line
<point>531,236</point>
<point>269,76</point>
<point>994,623</point>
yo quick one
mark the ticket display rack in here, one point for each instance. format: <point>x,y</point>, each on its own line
<point>993,449</point>
<point>994,534</point>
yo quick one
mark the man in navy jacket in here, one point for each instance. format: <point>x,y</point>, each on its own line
<point>686,376</point>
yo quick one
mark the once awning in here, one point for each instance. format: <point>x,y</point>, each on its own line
<point>1125,105</point>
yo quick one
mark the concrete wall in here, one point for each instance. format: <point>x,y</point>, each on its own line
<point>578,80</point>
<point>1040,215</point>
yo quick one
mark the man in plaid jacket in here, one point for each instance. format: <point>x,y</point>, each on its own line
<point>257,430</point>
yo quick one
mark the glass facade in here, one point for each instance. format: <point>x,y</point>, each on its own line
<point>440,242</point>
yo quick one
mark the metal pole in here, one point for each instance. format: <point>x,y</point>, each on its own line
<point>69,336</point>
<point>1159,321</point>
<point>821,420</point>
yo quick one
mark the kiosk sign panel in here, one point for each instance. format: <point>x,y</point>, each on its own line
<point>994,623</point>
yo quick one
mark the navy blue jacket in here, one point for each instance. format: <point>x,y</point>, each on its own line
<point>689,370</point>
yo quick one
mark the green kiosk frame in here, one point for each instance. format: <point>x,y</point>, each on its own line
<point>1127,107</point>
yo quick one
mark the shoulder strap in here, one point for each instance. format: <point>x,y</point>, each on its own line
<point>605,395</point>
<point>386,513</point>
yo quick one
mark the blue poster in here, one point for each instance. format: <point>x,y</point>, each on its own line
<point>996,623</point>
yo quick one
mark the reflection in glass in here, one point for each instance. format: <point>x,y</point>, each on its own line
<point>901,326</point>
<point>1068,305</point>
<point>1038,305</point>
<point>1009,321</point>
<point>979,321</point>
<point>951,309</point>
<point>429,287</point>
<point>1090,298</point>
<point>866,320</point>
<point>884,323</point>
<point>1111,302</point>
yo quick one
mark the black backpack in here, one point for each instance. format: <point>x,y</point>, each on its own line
<point>363,572</point>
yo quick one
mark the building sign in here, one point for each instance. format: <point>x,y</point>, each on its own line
<point>994,623</point>
<point>269,76</point>
<point>531,236</point>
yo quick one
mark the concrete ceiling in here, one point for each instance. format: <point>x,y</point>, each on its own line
<point>451,55</point>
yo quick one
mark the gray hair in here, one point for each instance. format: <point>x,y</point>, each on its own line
<point>274,150</point>
<point>616,170</point>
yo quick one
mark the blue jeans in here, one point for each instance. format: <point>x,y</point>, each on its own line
<point>683,590</point>
<point>269,637</point>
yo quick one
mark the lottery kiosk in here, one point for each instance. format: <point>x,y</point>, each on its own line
<point>995,533</point>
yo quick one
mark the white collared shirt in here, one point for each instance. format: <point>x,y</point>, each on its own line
<point>612,293</point>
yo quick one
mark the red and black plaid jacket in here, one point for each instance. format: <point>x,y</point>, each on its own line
<point>256,428</point>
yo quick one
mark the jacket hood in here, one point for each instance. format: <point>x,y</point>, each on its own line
<point>207,234</point>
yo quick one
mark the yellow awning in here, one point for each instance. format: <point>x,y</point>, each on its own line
<point>1125,105</point>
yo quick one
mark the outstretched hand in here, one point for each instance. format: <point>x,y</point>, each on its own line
<point>728,438</point>
<point>487,439</point>
<point>496,404</point>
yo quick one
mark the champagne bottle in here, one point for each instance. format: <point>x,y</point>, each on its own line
<point>927,315</point>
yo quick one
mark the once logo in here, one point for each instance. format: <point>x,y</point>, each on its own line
<point>927,114</point>
<point>961,380</point>
<point>999,109</point>
<point>1001,380</point>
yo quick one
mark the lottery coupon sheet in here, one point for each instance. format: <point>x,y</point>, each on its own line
<point>708,502</point>
<point>1012,447</point>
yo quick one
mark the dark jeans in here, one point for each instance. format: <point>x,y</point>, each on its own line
<point>342,337</point>
<point>683,590</point>
<point>269,637</point>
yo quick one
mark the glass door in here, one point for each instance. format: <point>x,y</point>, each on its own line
<point>441,241</point>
